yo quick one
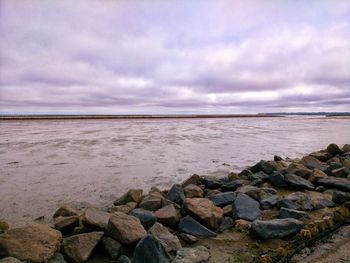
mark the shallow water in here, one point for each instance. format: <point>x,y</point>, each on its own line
<point>45,163</point>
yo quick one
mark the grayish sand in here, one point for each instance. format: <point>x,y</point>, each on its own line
<point>45,163</point>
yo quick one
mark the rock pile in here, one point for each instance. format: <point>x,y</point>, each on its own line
<point>278,199</point>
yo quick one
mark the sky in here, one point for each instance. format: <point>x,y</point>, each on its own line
<point>176,56</point>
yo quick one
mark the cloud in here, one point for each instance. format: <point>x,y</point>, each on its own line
<point>174,56</point>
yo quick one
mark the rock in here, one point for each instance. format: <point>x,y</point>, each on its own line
<point>276,228</point>
<point>269,202</point>
<point>123,259</point>
<point>340,172</point>
<point>340,197</point>
<point>133,195</point>
<point>245,207</point>
<point>226,224</point>
<point>95,218</point>
<point>176,194</point>
<point>82,230</point>
<point>79,248</point>
<point>258,176</point>
<point>223,199</point>
<point>65,211</point>
<point>300,201</point>
<point>242,224</point>
<point>4,226</point>
<point>263,166</point>
<point>277,158</point>
<point>256,182</point>
<point>127,208</point>
<point>168,216</point>
<point>193,190</point>
<point>194,179</point>
<point>257,193</point>
<point>204,210</point>
<point>232,176</point>
<point>335,182</point>
<point>291,213</point>
<point>227,210</point>
<point>277,179</point>
<point>34,243</point>
<point>212,183</point>
<point>320,189</point>
<point>312,163</point>
<point>152,201</point>
<point>334,149</point>
<point>58,258</point>
<point>190,226</point>
<point>298,182</point>
<point>211,192</point>
<point>316,175</point>
<point>323,156</point>
<point>245,174</point>
<point>113,247</point>
<point>150,250</point>
<point>10,260</point>
<point>189,239</point>
<point>335,165</point>
<point>146,217</point>
<point>66,224</point>
<point>125,229</point>
<point>286,203</point>
<point>346,148</point>
<point>231,185</point>
<point>323,203</point>
<point>199,254</point>
<point>170,242</point>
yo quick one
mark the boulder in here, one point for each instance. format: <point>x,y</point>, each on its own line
<point>95,218</point>
<point>189,239</point>
<point>257,193</point>
<point>291,213</point>
<point>150,250</point>
<point>168,216</point>
<point>261,176</point>
<point>133,195</point>
<point>65,211</point>
<point>79,248</point>
<point>231,185</point>
<point>277,179</point>
<point>227,210</point>
<point>346,148</point>
<point>276,228</point>
<point>323,156</point>
<point>113,247</point>
<point>263,166</point>
<point>297,201</point>
<point>152,201</point>
<point>170,242</point>
<point>312,163</point>
<point>146,217</point>
<point>199,254</point>
<point>340,172</point>
<point>127,208</point>
<point>204,210</point>
<point>298,182</point>
<point>269,202</point>
<point>245,207</point>
<point>176,194</point>
<point>277,158</point>
<point>66,224</point>
<point>210,192</point>
<point>10,260</point>
<point>223,199</point>
<point>211,183</point>
<point>335,182</point>
<point>193,179</point>
<point>340,197</point>
<point>190,226</point>
<point>125,229</point>
<point>193,190</point>
<point>34,243</point>
<point>334,149</point>
<point>316,175</point>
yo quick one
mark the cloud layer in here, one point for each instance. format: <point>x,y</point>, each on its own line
<point>174,56</point>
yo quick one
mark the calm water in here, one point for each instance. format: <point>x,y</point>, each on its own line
<point>49,162</point>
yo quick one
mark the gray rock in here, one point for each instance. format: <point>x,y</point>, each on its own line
<point>263,166</point>
<point>231,185</point>
<point>146,217</point>
<point>340,197</point>
<point>199,254</point>
<point>298,182</point>
<point>66,224</point>
<point>170,242</point>
<point>123,259</point>
<point>323,156</point>
<point>340,172</point>
<point>320,189</point>
<point>58,258</point>
<point>65,211</point>
<point>190,226</point>
<point>113,247</point>
<point>176,194</point>
<point>189,239</point>
<point>269,202</point>
<point>226,224</point>
<point>297,201</point>
<point>277,179</point>
<point>276,228</point>
<point>335,182</point>
<point>223,199</point>
<point>150,250</point>
<point>10,260</point>
<point>312,163</point>
<point>245,207</point>
<point>334,149</point>
<point>291,213</point>
<point>286,203</point>
<point>258,176</point>
<point>323,203</point>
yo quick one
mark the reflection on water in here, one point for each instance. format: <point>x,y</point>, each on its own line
<point>46,162</point>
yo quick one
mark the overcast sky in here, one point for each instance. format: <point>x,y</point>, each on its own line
<point>176,56</point>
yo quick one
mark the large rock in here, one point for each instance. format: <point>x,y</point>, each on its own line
<point>152,201</point>
<point>190,226</point>
<point>231,185</point>
<point>276,228</point>
<point>170,242</point>
<point>193,179</point>
<point>133,195</point>
<point>257,193</point>
<point>113,247</point>
<point>96,218</point>
<point>168,215</point>
<point>312,163</point>
<point>146,217</point>
<point>340,172</point>
<point>297,201</point>
<point>334,149</point>
<point>323,156</point>
<point>223,199</point>
<point>340,197</point>
<point>335,182</point>
<point>245,207</point>
<point>298,182</point>
<point>193,190</point>
<point>269,202</point>
<point>127,208</point>
<point>263,166</point>
<point>66,224</point>
<point>277,179</point>
<point>150,250</point>
<point>316,175</point>
<point>346,148</point>
<point>79,248</point>
<point>204,210</point>
<point>291,213</point>
<point>176,194</point>
<point>34,243</point>
<point>199,254</point>
<point>125,229</point>
<point>65,211</point>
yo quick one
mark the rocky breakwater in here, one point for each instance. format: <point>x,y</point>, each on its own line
<point>262,214</point>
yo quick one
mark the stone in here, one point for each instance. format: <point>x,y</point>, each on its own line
<point>190,226</point>
<point>176,194</point>
<point>123,259</point>
<point>211,192</point>
<point>291,213</point>
<point>82,230</point>
<point>133,195</point>
<point>257,193</point>
<point>34,243</point>
<point>276,228</point>
<point>269,202</point>
<point>199,254</point>
<point>340,197</point>
<point>65,211</point>
<point>340,172</point>
<point>66,224</point>
<point>320,189</point>
<point>277,158</point>
<point>258,176</point>
<point>226,224</point>
<point>152,201</point>
<point>212,183</point>
<point>231,185</point>
<point>286,203</point>
<point>170,242</point>
<point>346,163</point>
<point>4,226</point>
<point>150,250</point>
<point>242,224</point>
<point>335,182</point>
<point>113,247</point>
<point>79,248</point>
<point>146,217</point>
<point>193,179</point>
<point>298,182</point>
<point>232,176</point>
<point>189,239</point>
<point>323,203</point>
<point>257,182</point>
<point>245,174</point>
<point>301,201</point>
<point>277,179</point>
<point>263,166</point>
<point>312,163</point>
<point>245,207</point>
<point>323,156</point>
<point>58,258</point>
<point>204,210</point>
<point>223,199</point>
<point>316,175</point>
<point>227,210</point>
<point>335,165</point>
<point>125,228</point>
<point>334,149</point>
<point>10,260</point>
<point>168,216</point>
<point>127,208</point>
<point>193,190</point>
<point>346,148</point>
<point>95,218</point>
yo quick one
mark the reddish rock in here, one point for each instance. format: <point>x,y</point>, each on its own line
<point>168,215</point>
<point>192,190</point>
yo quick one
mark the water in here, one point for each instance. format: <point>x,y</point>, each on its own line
<point>45,163</point>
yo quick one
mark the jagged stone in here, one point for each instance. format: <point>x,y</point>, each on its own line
<point>298,182</point>
<point>66,224</point>
<point>113,247</point>
<point>193,190</point>
<point>334,149</point>
<point>335,182</point>
<point>176,194</point>
<point>170,242</point>
<point>168,216</point>
<point>133,195</point>
<point>231,185</point>
<point>223,199</point>
<point>95,218</point>
<point>190,226</point>
<point>269,202</point>
<point>263,166</point>
<point>291,213</point>
<point>146,217</point>
<point>245,207</point>
<point>65,211</point>
<point>150,250</point>
<point>189,239</point>
<point>276,228</point>
<point>127,208</point>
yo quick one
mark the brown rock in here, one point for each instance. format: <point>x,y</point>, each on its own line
<point>227,210</point>
<point>193,190</point>
<point>340,172</point>
<point>346,148</point>
<point>233,176</point>
<point>168,240</point>
<point>168,215</point>
<point>334,149</point>
<point>80,247</point>
<point>95,218</point>
<point>189,239</point>
<point>242,224</point>
<point>127,208</point>
<point>66,224</point>
<point>65,211</point>
<point>316,175</point>
<point>194,179</point>
<point>3,226</point>
<point>210,192</point>
<point>205,210</point>
<point>125,229</point>
<point>34,243</point>
<point>152,201</point>
<point>133,195</point>
<point>299,170</point>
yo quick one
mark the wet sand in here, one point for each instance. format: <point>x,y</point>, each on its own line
<point>46,163</point>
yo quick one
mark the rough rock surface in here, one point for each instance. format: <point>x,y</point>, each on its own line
<point>66,224</point>
<point>150,250</point>
<point>168,215</point>
<point>245,207</point>
<point>291,213</point>
<point>276,228</point>
<point>298,182</point>
<point>176,194</point>
<point>335,182</point>
<point>127,208</point>
<point>10,260</point>
<point>133,195</point>
<point>199,254</point>
<point>146,217</point>
<point>223,199</point>
<point>168,240</point>
<point>113,247</point>
<point>190,226</point>
<point>65,211</point>
<point>95,218</point>
<point>193,190</point>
